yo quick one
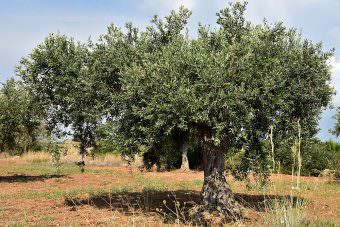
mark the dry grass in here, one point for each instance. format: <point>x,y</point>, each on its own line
<point>110,159</point>
<point>107,160</point>
<point>72,156</point>
<point>36,157</point>
<point>285,213</point>
<point>4,155</point>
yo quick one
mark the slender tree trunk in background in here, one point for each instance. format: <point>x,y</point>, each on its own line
<point>299,155</point>
<point>272,145</point>
<point>185,160</point>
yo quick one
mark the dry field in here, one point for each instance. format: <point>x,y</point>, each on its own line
<point>30,194</point>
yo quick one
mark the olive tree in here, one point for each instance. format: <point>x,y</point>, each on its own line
<point>59,72</point>
<point>20,117</point>
<point>228,86</point>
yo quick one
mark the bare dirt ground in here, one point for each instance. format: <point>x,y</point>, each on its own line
<point>30,194</point>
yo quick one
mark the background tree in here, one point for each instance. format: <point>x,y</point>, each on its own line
<point>20,118</point>
<point>60,75</point>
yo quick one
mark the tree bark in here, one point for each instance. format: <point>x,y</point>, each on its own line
<point>216,192</point>
<point>218,202</point>
<point>185,160</point>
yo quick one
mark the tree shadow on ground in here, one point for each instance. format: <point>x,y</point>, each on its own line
<point>171,205</point>
<point>27,178</point>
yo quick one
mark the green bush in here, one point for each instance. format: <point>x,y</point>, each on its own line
<point>104,147</point>
<point>316,157</point>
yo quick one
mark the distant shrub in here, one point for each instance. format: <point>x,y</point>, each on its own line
<point>36,157</point>
<point>316,157</point>
<point>104,147</point>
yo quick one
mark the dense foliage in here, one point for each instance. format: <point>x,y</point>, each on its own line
<point>20,118</point>
<point>60,74</point>
<point>233,88</point>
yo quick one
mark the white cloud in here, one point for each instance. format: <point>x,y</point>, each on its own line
<point>335,63</point>
<point>164,6</point>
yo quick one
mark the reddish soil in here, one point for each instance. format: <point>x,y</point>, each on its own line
<point>40,199</point>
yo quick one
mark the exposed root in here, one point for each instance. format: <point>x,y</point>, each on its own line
<point>206,215</point>
<point>218,203</point>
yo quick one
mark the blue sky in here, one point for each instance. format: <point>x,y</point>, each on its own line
<point>25,23</point>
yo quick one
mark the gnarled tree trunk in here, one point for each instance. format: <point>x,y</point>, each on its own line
<point>184,151</point>
<point>216,192</point>
<point>218,203</point>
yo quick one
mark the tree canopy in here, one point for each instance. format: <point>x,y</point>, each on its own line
<point>60,74</point>
<point>20,117</point>
<point>225,88</point>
